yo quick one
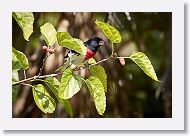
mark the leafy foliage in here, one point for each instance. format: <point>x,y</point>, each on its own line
<point>70,84</point>
<point>53,84</point>
<point>144,63</point>
<point>15,78</point>
<point>15,63</point>
<point>14,93</point>
<point>25,20</point>
<point>19,59</point>
<point>97,92</point>
<point>63,35</point>
<point>99,72</point>
<point>111,32</point>
<point>49,33</point>
<point>42,99</point>
<point>75,44</point>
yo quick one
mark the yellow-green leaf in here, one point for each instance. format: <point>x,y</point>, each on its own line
<point>91,61</point>
<point>63,35</point>
<point>97,92</point>
<point>53,84</point>
<point>99,72</point>
<point>71,43</point>
<point>15,78</point>
<point>42,99</point>
<point>19,57</point>
<point>70,84</point>
<point>25,20</point>
<point>15,63</point>
<point>49,33</point>
<point>111,32</point>
<point>14,92</point>
<point>144,63</point>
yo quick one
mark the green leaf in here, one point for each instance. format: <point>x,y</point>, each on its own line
<point>15,63</point>
<point>25,20</point>
<point>144,63</point>
<point>99,72</point>
<point>70,84</point>
<point>91,61</point>
<point>42,99</point>
<point>111,32</point>
<point>15,78</point>
<point>49,33</point>
<point>97,92</point>
<point>63,35</point>
<point>53,84</point>
<point>19,57</point>
<point>71,43</point>
<point>14,92</point>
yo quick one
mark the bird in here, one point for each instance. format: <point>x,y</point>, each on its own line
<point>76,59</point>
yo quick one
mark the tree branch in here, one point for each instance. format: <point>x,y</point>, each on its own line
<point>26,84</point>
<point>100,61</point>
<point>34,78</point>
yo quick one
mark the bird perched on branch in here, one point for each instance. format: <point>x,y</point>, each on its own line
<point>77,59</point>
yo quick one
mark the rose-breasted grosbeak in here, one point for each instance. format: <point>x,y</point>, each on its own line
<point>77,59</point>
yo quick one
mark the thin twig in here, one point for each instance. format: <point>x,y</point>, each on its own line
<point>37,80</point>
<point>25,80</point>
<point>34,78</point>
<point>107,59</point>
<point>26,84</point>
<point>31,79</point>
<point>123,57</point>
<point>112,53</point>
<point>100,61</point>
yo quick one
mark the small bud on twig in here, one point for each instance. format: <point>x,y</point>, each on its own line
<point>114,55</point>
<point>122,61</point>
<point>44,48</point>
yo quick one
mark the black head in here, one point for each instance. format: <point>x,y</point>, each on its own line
<point>94,43</point>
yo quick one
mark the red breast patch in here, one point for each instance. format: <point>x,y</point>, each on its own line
<point>89,54</point>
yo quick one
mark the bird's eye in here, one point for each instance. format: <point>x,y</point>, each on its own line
<point>102,43</point>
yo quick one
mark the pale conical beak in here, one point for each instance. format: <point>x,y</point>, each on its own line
<point>102,43</point>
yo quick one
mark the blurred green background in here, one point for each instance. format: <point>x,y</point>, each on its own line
<point>131,93</point>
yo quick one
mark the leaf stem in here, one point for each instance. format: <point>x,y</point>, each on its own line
<point>83,79</point>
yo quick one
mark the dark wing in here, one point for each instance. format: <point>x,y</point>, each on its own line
<point>86,43</point>
<point>72,52</point>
